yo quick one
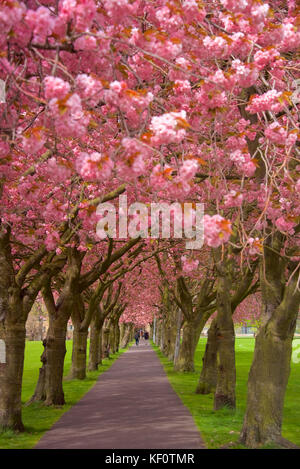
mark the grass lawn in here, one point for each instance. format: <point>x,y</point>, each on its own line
<point>222,427</point>
<point>36,417</point>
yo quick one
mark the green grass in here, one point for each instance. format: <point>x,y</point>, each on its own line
<point>37,418</point>
<point>223,427</point>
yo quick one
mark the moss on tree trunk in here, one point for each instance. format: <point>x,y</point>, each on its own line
<point>11,373</point>
<point>208,377</point>
<point>78,368</point>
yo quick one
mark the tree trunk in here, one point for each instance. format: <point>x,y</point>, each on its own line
<point>78,369</point>
<point>208,377</point>
<point>11,372</point>
<point>226,371</point>
<point>94,345</point>
<point>117,337</point>
<point>40,392</point>
<point>127,335</point>
<point>191,334</point>
<point>158,332</point>
<point>112,337</point>
<point>178,336</point>
<point>172,334</point>
<point>270,368</point>
<point>105,342</point>
<point>100,350</point>
<point>56,351</point>
<point>49,387</point>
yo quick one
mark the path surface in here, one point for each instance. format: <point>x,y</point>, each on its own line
<point>132,405</point>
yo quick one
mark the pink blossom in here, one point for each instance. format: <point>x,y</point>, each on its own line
<point>188,170</point>
<point>89,88</point>
<point>285,225</point>
<point>192,11</point>
<point>56,88</point>
<point>268,101</point>
<point>233,199</point>
<point>33,143</point>
<point>52,240</point>
<point>85,43</point>
<point>41,22</point>
<point>169,128</point>
<point>217,230</point>
<point>4,149</point>
<point>94,166</point>
<point>189,265</point>
<point>276,133</point>
<point>243,163</point>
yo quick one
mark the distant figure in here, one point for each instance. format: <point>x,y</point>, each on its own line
<point>137,338</point>
<point>146,335</point>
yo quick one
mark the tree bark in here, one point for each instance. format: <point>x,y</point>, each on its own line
<point>226,371</point>
<point>49,387</point>
<point>94,344</point>
<point>56,351</point>
<point>178,335</point>
<point>270,368</point>
<point>13,335</point>
<point>105,341</point>
<point>208,377</point>
<point>126,335</point>
<point>191,334</point>
<point>78,368</point>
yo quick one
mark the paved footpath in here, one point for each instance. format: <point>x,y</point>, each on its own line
<point>132,405</point>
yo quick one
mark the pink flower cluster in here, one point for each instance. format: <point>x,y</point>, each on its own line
<point>56,88</point>
<point>167,20</point>
<point>69,118</point>
<point>86,42</point>
<point>285,226</point>
<point>55,171</point>
<point>52,240</point>
<point>262,58</point>
<point>131,102</point>
<point>217,230</point>
<point>255,246</point>
<point>269,101</point>
<point>276,133</point>
<point>245,75</point>
<point>168,128</point>
<point>94,166</point>
<point>11,13</point>
<point>133,162</point>
<point>33,143</point>
<point>117,10</point>
<point>188,170</point>
<point>192,11</point>
<point>89,89</point>
<point>243,162</point>
<point>160,177</point>
<point>233,199</point>
<point>41,23</point>
<point>217,46</point>
<point>189,264</point>
<point>4,149</point>
<point>82,12</point>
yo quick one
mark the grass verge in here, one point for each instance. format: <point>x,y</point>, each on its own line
<point>222,428</point>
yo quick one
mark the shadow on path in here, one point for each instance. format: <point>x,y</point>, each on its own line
<point>132,405</point>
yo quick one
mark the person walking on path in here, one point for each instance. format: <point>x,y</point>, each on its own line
<point>137,338</point>
<point>146,336</point>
